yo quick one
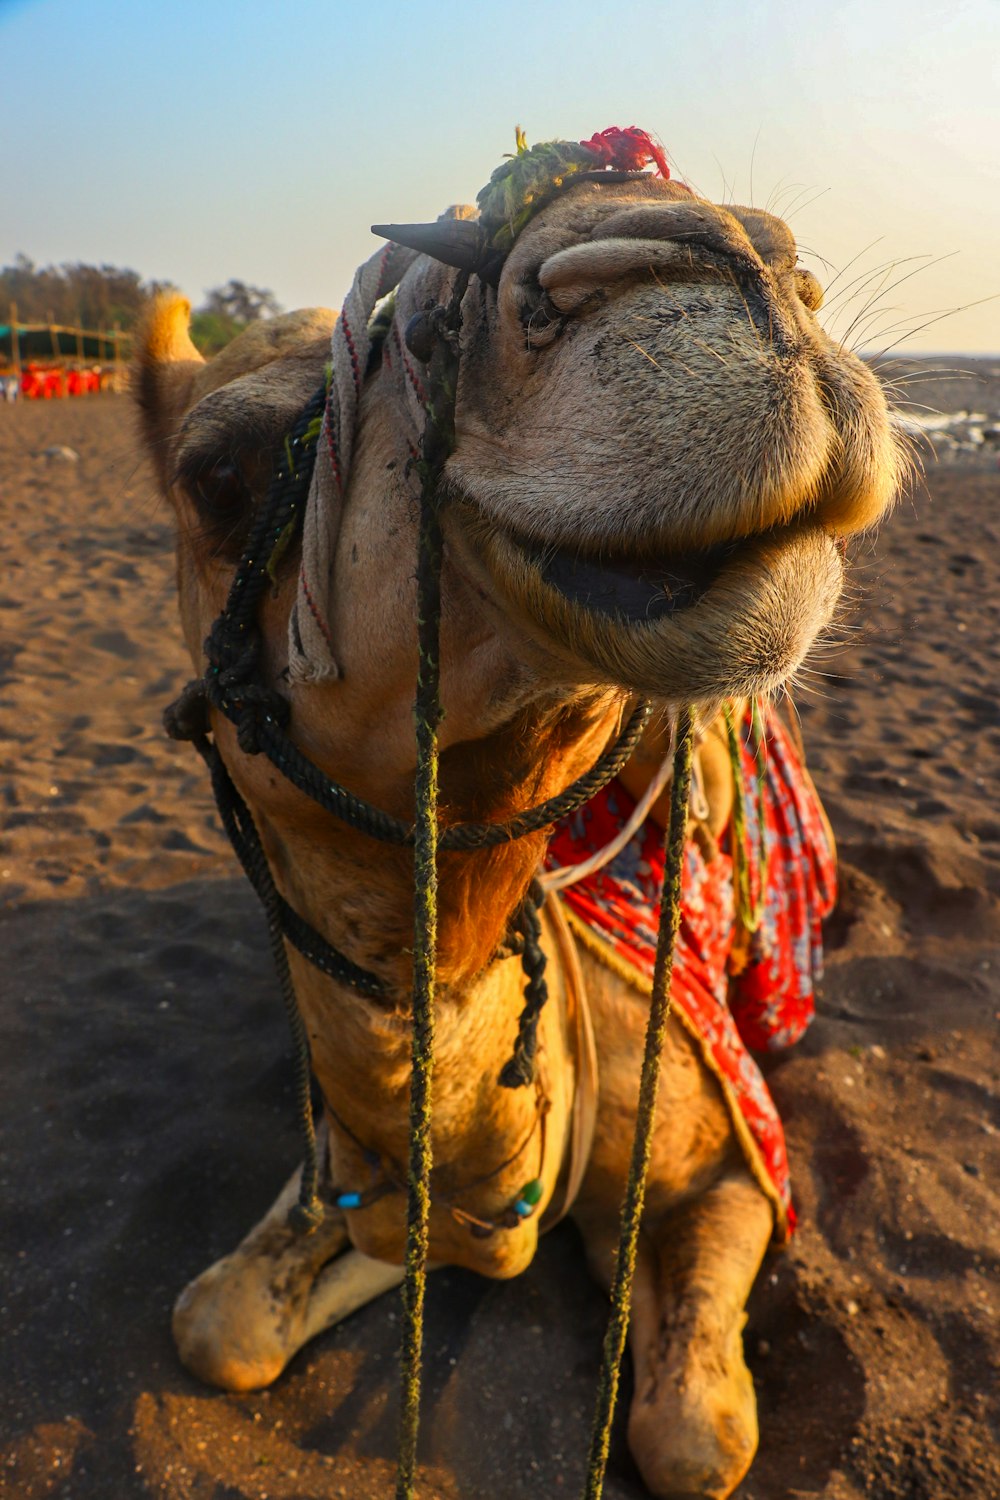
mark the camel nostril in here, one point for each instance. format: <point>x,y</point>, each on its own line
<point>588,274</point>
<point>542,320</point>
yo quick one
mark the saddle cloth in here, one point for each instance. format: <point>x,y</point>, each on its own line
<point>768,1003</point>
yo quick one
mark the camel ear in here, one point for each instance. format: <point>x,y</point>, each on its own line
<point>166,362</point>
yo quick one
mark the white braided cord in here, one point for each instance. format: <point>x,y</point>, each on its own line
<point>311,655</point>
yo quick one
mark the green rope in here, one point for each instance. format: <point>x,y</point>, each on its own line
<point>438,442</point>
<point>748,910</point>
<point>635,1188</point>
<point>428,714</point>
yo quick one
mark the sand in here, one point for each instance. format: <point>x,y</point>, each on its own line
<point>146,1096</point>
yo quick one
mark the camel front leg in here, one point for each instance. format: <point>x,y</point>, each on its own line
<point>693,1422</point>
<point>239,1323</point>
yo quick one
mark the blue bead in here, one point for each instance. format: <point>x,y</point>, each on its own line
<point>349,1200</point>
<point>524,1210</point>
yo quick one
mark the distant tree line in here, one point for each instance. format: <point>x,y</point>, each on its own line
<point>82,296</point>
<point>227,310</point>
<point>78,296</point>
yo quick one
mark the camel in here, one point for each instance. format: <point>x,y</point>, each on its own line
<point>645,394</point>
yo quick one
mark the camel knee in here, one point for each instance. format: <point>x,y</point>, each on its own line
<point>238,1324</point>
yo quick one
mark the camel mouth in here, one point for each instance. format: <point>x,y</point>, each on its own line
<point>629,591</point>
<point>734,619</point>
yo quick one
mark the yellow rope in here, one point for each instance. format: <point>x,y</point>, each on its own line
<point>749,909</point>
<point>438,441</point>
<point>428,713</point>
<point>635,1188</point>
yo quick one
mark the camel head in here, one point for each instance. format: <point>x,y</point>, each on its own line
<point>658,451</point>
<point>658,448</point>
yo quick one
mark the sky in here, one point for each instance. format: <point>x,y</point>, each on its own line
<point>198,140</point>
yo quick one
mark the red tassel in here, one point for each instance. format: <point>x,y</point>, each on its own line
<point>627,150</point>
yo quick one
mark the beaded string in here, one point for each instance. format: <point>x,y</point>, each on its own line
<point>388,1178</point>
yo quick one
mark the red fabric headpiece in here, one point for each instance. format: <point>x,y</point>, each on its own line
<point>627,150</point>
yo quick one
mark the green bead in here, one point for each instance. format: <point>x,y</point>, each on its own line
<point>532,1191</point>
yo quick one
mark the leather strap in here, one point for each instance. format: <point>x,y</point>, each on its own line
<point>583,1117</point>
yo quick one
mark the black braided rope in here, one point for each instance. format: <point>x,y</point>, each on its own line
<point>234,643</point>
<point>187,719</point>
<point>365,818</point>
<point>520,1070</point>
<point>261,714</point>
<point>325,957</point>
<point>488,835</point>
<point>329,794</point>
<point>242,831</point>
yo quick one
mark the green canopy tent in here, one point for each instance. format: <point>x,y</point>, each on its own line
<point>54,343</point>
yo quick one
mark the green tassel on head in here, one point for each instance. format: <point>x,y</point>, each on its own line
<point>525,182</point>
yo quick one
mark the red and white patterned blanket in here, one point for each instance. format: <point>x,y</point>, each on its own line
<point>768,1004</point>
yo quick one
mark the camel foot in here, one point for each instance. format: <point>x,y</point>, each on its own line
<point>239,1323</point>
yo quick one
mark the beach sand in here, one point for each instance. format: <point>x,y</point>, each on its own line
<point>146,1100</point>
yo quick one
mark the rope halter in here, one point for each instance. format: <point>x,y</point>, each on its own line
<point>308,491</point>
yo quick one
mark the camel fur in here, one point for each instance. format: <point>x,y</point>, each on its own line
<point>648,382</point>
